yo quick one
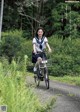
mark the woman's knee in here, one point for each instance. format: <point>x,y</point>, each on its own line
<point>39,59</point>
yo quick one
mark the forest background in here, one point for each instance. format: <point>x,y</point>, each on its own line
<point>61,21</point>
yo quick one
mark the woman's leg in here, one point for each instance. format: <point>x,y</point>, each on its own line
<point>39,60</point>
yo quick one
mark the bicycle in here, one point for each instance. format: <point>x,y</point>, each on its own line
<point>42,73</point>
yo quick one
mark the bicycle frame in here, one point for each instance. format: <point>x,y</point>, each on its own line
<point>42,72</point>
<point>43,63</point>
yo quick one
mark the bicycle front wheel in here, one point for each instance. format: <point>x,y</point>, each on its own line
<point>46,77</point>
<point>37,79</point>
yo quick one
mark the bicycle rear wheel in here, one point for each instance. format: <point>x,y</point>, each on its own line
<point>46,77</point>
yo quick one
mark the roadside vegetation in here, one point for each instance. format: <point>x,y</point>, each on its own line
<point>67,79</point>
<point>14,90</point>
<point>65,56</point>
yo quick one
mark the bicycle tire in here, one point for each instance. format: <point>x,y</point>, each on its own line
<point>37,80</point>
<point>46,78</point>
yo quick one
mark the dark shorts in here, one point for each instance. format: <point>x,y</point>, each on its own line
<point>36,56</point>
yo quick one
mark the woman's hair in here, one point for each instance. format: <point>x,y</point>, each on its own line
<point>38,30</point>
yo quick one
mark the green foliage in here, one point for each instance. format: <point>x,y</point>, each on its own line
<point>11,17</point>
<point>27,15</point>
<point>68,79</point>
<point>65,56</point>
<point>66,20</point>
<point>13,45</point>
<point>14,91</point>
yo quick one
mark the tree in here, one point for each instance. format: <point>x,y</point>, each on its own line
<point>66,20</point>
<point>27,15</point>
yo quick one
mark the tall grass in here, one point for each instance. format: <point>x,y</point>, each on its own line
<point>68,79</point>
<point>13,91</point>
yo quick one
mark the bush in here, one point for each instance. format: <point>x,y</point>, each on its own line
<point>13,45</point>
<point>65,57</point>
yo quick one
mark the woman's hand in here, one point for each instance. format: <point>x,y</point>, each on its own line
<point>35,52</point>
<point>50,50</point>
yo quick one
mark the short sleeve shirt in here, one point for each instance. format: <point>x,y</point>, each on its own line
<point>38,45</point>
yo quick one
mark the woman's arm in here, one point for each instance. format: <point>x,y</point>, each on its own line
<point>48,47</point>
<point>34,45</point>
<point>34,48</point>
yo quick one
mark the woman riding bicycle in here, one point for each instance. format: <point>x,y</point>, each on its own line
<point>39,44</point>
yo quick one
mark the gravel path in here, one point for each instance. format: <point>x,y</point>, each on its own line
<point>67,96</point>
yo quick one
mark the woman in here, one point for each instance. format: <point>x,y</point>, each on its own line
<point>39,44</point>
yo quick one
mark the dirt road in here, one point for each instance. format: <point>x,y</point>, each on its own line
<point>67,96</point>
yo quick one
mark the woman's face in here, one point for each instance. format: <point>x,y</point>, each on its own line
<point>40,33</point>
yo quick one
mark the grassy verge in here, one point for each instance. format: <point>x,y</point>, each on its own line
<point>67,79</point>
<point>15,93</point>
